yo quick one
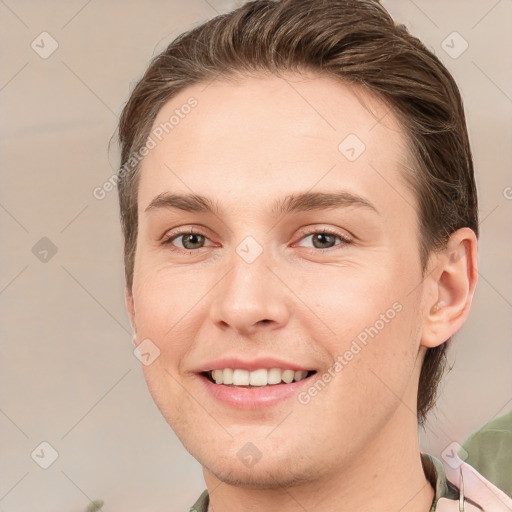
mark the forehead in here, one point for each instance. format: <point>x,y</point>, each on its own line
<point>268,133</point>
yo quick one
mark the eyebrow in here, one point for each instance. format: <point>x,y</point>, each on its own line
<point>301,202</point>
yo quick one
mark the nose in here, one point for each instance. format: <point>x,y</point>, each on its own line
<point>251,296</point>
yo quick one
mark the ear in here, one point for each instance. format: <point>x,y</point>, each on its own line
<point>130,307</point>
<point>449,288</point>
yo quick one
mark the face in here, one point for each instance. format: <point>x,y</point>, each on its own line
<point>300,262</point>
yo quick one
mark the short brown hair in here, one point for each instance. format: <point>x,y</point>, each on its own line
<point>357,42</point>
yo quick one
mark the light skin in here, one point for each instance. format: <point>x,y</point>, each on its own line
<point>354,446</point>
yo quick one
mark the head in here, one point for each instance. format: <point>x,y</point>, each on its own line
<point>281,98</point>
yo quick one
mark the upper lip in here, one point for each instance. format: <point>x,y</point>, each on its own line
<point>252,364</point>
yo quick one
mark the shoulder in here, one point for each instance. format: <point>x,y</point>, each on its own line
<point>201,505</point>
<point>460,479</point>
<point>497,429</point>
<point>489,451</point>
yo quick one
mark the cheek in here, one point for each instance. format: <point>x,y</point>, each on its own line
<point>158,312</point>
<point>164,303</point>
<point>168,395</point>
<point>349,300</point>
<point>374,332</point>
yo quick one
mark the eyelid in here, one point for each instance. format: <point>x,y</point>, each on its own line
<point>343,234</point>
<point>345,238</point>
<point>172,235</point>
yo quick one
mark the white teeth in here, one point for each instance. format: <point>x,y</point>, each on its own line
<point>227,377</point>
<point>240,377</point>
<point>261,377</point>
<point>274,376</point>
<point>258,378</point>
<point>288,376</point>
<point>300,375</point>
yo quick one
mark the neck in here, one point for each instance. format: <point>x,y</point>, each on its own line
<point>386,475</point>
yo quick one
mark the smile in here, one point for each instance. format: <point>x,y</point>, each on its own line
<point>256,378</point>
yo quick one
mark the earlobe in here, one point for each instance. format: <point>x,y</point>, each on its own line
<point>451,287</point>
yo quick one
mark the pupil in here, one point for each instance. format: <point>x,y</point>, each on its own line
<point>186,239</point>
<point>322,236</point>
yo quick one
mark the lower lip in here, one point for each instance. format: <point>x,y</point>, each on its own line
<point>253,398</point>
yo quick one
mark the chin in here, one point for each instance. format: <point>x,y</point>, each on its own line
<point>272,475</point>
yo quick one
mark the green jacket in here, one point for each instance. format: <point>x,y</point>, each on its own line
<point>489,451</point>
<point>446,492</point>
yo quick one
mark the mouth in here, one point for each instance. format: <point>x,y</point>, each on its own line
<point>260,378</point>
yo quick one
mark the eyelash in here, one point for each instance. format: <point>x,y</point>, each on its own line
<point>173,236</point>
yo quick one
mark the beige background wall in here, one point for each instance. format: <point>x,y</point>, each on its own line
<point>68,375</point>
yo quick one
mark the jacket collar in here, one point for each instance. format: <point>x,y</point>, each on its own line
<point>436,475</point>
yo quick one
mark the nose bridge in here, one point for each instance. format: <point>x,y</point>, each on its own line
<point>250,292</point>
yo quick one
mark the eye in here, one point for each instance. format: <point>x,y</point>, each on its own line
<point>325,238</point>
<point>190,239</point>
